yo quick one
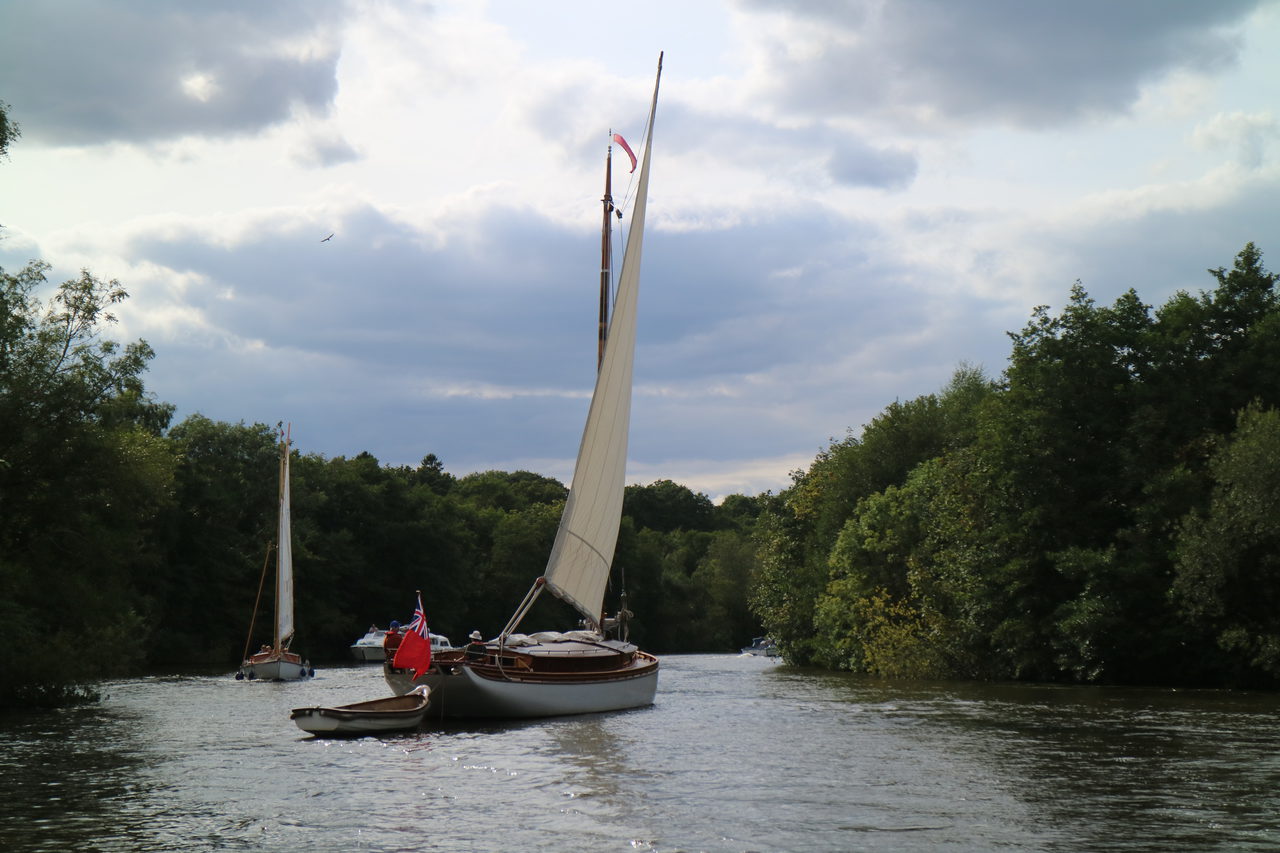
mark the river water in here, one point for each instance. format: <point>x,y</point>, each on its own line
<point>737,754</point>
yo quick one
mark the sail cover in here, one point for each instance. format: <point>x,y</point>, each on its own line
<point>578,569</point>
<point>284,556</point>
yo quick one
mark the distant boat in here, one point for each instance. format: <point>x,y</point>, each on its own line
<point>370,646</point>
<point>762,646</point>
<point>582,671</point>
<point>393,714</point>
<point>275,662</point>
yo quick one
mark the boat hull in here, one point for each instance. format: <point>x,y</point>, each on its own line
<point>463,692</point>
<point>394,714</point>
<point>275,666</point>
<point>368,653</point>
<point>318,723</point>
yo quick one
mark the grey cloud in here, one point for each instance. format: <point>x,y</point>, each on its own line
<point>324,151</point>
<point>95,72</point>
<point>849,158</point>
<point>810,324</point>
<point>1165,250</point>
<point>354,327</point>
<point>498,306</point>
<point>1028,64</point>
<point>846,157</point>
<point>856,164</point>
<point>770,311</point>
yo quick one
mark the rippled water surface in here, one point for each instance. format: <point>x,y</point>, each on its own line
<point>738,753</point>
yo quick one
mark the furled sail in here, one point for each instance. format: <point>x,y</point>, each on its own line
<point>578,569</point>
<point>284,556</point>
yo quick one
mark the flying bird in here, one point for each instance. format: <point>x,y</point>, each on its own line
<point>327,239</point>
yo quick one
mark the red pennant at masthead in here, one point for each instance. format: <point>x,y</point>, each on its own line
<point>617,137</point>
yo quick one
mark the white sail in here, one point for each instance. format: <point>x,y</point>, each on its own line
<point>578,569</point>
<point>284,556</point>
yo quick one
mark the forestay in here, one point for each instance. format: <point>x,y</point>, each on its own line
<point>578,569</point>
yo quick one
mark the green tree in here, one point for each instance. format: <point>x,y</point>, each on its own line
<point>1228,555</point>
<point>218,533</point>
<point>9,130</point>
<point>1054,464</point>
<point>509,491</point>
<point>726,574</point>
<point>670,606</point>
<point>378,533</point>
<point>739,512</point>
<point>522,542</point>
<point>801,527</point>
<point>666,506</point>
<point>431,474</point>
<point>1041,545</point>
<point>83,471</point>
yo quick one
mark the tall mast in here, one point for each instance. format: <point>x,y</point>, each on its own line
<point>284,548</point>
<point>606,257</point>
<point>280,487</point>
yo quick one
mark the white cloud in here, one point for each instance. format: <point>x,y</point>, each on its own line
<point>201,87</point>
<point>1248,136</point>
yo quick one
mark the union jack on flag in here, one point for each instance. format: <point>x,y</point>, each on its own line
<point>419,623</point>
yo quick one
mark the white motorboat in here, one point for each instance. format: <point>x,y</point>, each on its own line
<point>371,647</point>
<point>761,646</point>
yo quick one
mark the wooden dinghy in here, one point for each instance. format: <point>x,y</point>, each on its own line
<point>393,714</point>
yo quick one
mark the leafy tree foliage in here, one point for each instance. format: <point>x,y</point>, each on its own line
<point>666,506</point>
<point>1228,554</point>
<point>503,491</point>
<point>83,471</point>
<point>1102,515</point>
<point>9,129</point>
<point>217,532</point>
<point>797,538</point>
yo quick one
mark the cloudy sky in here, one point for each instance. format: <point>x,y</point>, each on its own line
<point>849,199</point>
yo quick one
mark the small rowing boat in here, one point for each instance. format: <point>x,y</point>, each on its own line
<point>393,714</point>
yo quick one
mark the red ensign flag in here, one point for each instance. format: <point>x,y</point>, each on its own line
<point>415,649</point>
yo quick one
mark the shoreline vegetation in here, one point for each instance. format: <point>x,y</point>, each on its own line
<point>1105,511</point>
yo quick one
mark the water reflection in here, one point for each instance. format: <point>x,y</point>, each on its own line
<point>1093,768</point>
<point>736,754</point>
<point>65,774</point>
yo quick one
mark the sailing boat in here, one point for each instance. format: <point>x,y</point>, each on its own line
<point>581,671</point>
<point>275,662</point>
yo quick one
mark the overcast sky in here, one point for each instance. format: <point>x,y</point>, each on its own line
<point>849,200</point>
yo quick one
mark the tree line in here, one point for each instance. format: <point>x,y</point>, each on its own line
<point>1108,510</point>
<point>126,542</point>
<point>1104,512</point>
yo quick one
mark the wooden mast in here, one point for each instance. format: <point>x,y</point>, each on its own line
<point>277,640</point>
<point>606,257</point>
